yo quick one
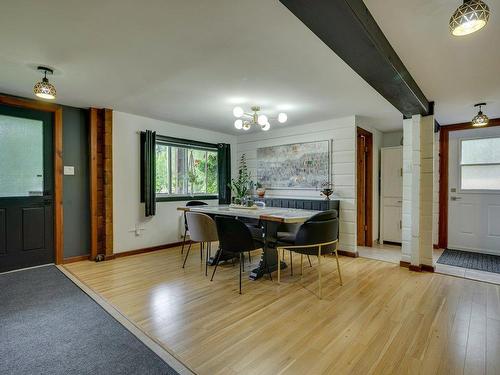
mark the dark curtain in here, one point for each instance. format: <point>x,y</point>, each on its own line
<point>148,172</point>
<point>224,172</point>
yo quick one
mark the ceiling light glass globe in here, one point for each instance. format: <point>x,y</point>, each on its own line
<point>266,127</point>
<point>238,111</point>
<point>282,117</point>
<point>262,120</point>
<point>246,126</point>
<point>238,124</point>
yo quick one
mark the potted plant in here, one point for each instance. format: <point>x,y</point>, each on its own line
<point>261,190</point>
<point>241,185</point>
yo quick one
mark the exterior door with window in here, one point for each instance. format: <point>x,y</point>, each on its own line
<point>474,190</point>
<point>26,188</point>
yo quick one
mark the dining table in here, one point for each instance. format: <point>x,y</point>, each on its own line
<point>269,217</point>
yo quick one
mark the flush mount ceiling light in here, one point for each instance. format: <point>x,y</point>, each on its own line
<point>255,118</point>
<point>44,89</point>
<point>469,17</point>
<point>480,119</point>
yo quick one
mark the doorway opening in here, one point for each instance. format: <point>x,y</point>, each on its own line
<point>364,187</point>
<point>469,209</point>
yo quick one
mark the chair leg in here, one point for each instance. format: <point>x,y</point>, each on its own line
<point>241,265</point>
<point>216,264</point>
<point>309,259</point>
<point>319,272</point>
<point>183,241</point>
<point>202,246</point>
<point>249,258</point>
<point>279,264</point>
<point>187,254</point>
<point>338,265</point>
<point>209,244</point>
<point>291,263</point>
<point>302,264</point>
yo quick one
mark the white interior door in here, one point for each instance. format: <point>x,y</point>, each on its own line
<point>474,190</point>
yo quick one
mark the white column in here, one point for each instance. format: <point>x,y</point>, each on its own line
<point>418,144</point>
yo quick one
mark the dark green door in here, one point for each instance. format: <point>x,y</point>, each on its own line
<point>26,188</point>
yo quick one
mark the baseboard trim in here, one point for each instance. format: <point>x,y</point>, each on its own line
<point>419,268</point>
<point>415,268</point>
<point>351,254</point>
<point>149,249</point>
<point>427,268</point>
<point>78,258</point>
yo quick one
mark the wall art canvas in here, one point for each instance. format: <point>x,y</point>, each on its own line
<point>294,166</point>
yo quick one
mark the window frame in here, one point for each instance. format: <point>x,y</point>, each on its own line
<point>460,165</point>
<point>196,145</point>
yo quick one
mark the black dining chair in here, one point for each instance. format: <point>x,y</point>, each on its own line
<point>287,232</point>
<point>315,238</point>
<point>189,204</point>
<point>235,238</point>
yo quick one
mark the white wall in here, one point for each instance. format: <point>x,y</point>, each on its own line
<point>392,139</point>
<point>128,212</point>
<point>342,132</point>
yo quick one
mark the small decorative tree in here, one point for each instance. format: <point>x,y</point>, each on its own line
<point>241,185</point>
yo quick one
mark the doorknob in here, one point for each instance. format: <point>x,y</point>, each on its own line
<point>455,198</point>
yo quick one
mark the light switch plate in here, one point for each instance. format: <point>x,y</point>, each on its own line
<point>69,170</point>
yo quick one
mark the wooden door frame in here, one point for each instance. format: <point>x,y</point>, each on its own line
<point>444,138</point>
<point>368,198</point>
<point>58,162</point>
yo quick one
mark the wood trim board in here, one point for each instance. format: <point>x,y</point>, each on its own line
<point>364,188</point>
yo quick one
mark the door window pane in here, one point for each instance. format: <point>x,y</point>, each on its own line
<point>481,177</point>
<point>21,157</point>
<point>480,151</point>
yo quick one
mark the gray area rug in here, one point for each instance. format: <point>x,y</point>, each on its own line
<point>50,326</point>
<point>467,259</point>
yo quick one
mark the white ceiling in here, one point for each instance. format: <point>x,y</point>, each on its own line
<point>454,72</point>
<point>187,62</point>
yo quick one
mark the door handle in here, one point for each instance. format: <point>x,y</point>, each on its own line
<point>456,198</point>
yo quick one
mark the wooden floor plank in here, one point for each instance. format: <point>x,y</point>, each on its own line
<point>383,320</point>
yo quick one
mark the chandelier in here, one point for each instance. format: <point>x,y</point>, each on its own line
<point>44,89</point>
<point>469,17</point>
<point>480,119</point>
<point>246,120</point>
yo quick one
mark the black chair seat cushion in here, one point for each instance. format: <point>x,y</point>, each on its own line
<point>286,237</point>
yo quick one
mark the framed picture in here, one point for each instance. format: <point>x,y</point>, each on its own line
<point>294,166</point>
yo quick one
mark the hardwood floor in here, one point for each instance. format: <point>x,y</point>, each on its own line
<point>384,320</point>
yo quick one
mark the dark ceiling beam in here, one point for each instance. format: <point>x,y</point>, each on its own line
<point>348,28</point>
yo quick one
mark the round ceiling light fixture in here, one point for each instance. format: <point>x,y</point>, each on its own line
<point>469,17</point>
<point>44,89</point>
<point>480,119</point>
<point>245,120</point>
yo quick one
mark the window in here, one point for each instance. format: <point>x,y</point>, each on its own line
<point>185,170</point>
<point>480,164</point>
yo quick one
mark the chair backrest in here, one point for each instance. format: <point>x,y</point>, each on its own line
<point>324,215</point>
<point>202,227</point>
<point>234,235</point>
<point>192,204</point>
<point>317,232</point>
<point>196,203</point>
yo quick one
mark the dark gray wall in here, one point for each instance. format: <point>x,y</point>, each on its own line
<point>76,193</point>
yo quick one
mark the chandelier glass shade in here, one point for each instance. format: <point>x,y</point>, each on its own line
<point>246,120</point>
<point>469,17</point>
<point>480,119</point>
<point>44,89</point>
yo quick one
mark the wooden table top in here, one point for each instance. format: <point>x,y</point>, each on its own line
<point>278,214</point>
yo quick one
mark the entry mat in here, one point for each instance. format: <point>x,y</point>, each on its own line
<point>467,259</point>
<point>50,326</point>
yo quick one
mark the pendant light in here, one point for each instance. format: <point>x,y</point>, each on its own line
<point>44,89</point>
<point>480,119</point>
<point>469,17</point>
